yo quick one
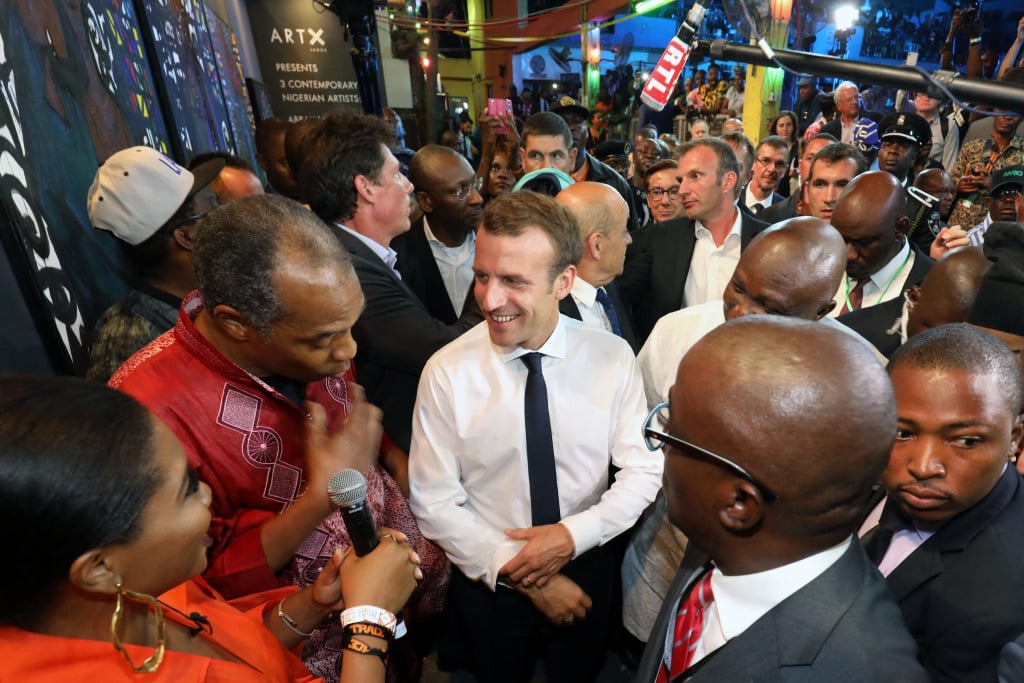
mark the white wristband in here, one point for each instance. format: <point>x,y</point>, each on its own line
<point>369,614</point>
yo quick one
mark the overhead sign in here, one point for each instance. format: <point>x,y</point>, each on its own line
<point>305,60</point>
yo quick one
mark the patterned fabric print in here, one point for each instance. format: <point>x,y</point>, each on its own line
<point>977,153</point>
<point>125,328</point>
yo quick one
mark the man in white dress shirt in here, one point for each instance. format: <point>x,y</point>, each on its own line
<point>524,591</point>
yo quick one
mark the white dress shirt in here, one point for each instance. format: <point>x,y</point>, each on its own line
<point>388,255</point>
<point>455,265</point>
<point>741,600</point>
<point>884,285</point>
<point>468,470</point>
<point>749,198</point>
<point>592,313</point>
<point>675,333</point>
<point>711,265</point>
<point>904,542</point>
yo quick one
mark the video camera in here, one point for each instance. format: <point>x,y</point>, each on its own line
<point>970,10</point>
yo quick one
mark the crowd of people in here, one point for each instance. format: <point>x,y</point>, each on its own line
<point>728,407</point>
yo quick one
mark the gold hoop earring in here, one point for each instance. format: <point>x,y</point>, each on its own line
<point>152,663</point>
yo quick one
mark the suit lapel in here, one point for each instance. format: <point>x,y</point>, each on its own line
<point>434,293</point>
<point>926,561</point>
<point>676,249</point>
<point>355,247</point>
<point>625,324</point>
<point>567,306</point>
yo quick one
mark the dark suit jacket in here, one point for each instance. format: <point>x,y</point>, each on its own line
<point>601,172</point>
<point>419,272</point>
<point>657,263</point>
<point>962,591</point>
<point>567,306</point>
<point>835,126</point>
<point>842,626</point>
<point>396,335</point>
<point>776,200</point>
<point>874,322</point>
<point>780,211</point>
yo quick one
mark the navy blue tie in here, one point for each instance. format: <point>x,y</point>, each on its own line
<point>609,310</point>
<point>540,454</point>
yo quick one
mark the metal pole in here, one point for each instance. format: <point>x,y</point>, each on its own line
<point>1005,96</point>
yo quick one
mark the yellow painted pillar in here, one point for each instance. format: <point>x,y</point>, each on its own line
<point>764,84</point>
<point>476,16</point>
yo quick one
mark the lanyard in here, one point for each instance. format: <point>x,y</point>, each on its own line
<point>881,296</point>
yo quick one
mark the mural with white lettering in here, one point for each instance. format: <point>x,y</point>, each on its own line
<point>75,86</point>
<point>305,60</point>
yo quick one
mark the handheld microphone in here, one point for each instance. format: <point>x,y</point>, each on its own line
<point>347,490</point>
<point>663,78</point>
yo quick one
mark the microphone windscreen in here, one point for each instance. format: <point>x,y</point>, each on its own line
<point>347,488</point>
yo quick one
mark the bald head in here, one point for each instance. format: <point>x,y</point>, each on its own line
<point>938,183</point>
<point>948,290</point>
<point>871,216</point>
<point>428,162</point>
<point>811,416</point>
<point>792,269</point>
<point>602,215</point>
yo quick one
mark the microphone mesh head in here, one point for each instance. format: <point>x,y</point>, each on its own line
<point>346,488</point>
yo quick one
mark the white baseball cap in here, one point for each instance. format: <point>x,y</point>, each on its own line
<point>137,190</point>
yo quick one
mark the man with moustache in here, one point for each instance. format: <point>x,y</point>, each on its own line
<point>353,182</point>
<point>689,260</point>
<point>770,164</point>
<point>594,299</point>
<point>516,425</point>
<point>435,258</point>
<point>255,382</point>
<point>978,160</point>
<point>774,585</point>
<point>949,533</point>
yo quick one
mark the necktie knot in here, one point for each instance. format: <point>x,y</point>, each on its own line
<point>532,361</point>
<point>757,208</point>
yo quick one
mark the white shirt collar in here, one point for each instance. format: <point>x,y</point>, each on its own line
<point>752,199</point>
<point>554,346</point>
<point>431,238</point>
<point>388,255</point>
<point>737,225</point>
<point>584,291</point>
<point>743,599</point>
<point>889,271</point>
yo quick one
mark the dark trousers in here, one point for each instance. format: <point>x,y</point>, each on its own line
<point>502,635</point>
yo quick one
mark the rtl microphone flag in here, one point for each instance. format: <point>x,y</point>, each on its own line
<point>663,78</point>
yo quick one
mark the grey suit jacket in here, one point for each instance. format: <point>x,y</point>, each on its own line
<point>841,627</point>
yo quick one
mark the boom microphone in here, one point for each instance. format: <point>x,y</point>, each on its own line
<point>663,78</point>
<point>347,490</point>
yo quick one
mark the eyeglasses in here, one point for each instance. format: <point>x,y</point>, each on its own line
<point>1006,193</point>
<point>191,219</point>
<point>765,161</point>
<point>656,193</point>
<point>657,439</point>
<point>462,191</point>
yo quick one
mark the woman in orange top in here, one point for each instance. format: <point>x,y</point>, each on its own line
<point>100,512</point>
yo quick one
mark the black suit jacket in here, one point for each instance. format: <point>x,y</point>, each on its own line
<point>842,626</point>
<point>396,335</point>
<point>657,263</point>
<point>567,306</point>
<point>962,591</point>
<point>780,211</point>
<point>776,200</point>
<point>874,322</point>
<point>419,271</point>
<point>600,172</point>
